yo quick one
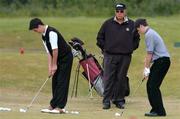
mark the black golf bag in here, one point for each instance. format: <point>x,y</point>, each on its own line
<point>92,69</point>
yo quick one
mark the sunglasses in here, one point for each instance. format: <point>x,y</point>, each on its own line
<point>119,11</point>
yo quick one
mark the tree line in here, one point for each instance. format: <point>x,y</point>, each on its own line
<point>86,7</point>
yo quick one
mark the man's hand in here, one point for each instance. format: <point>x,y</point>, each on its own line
<point>53,69</point>
<point>146,72</point>
<point>54,61</point>
<point>49,71</point>
<point>148,59</point>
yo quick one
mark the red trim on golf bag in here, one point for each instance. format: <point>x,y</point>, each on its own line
<point>94,70</point>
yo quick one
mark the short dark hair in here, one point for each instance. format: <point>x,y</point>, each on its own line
<point>34,23</point>
<point>139,22</point>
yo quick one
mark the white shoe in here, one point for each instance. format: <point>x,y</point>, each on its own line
<point>45,110</point>
<point>58,111</point>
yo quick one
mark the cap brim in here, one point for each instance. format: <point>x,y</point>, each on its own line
<point>119,8</point>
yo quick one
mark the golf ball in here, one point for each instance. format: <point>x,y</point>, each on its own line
<point>117,114</point>
<point>74,112</point>
<point>5,109</point>
<point>22,110</point>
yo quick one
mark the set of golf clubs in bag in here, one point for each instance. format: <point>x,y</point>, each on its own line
<point>92,72</point>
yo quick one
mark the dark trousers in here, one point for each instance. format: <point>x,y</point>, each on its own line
<point>157,74</point>
<point>60,82</point>
<point>115,72</point>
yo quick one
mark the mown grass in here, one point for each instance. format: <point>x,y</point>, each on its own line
<point>87,108</point>
<point>22,75</point>
<point>32,65</point>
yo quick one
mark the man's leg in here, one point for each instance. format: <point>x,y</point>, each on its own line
<point>158,72</point>
<point>62,83</point>
<point>109,76</point>
<point>121,80</point>
<point>54,84</point>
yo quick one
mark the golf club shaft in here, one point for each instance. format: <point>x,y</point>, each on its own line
<point>135,92</point>
<point>38,92</point>
<point>138,87</point>
<point>89,80</point>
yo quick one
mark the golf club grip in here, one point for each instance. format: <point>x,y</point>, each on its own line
<point>143,79</point>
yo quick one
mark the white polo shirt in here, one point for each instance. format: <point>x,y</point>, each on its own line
<point>53,39</point>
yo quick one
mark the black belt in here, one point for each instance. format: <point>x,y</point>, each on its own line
<point>162,58</point>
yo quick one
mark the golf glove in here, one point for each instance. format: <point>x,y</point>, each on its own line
<point>146,72</point>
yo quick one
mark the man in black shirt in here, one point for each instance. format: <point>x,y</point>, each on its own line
<point>117,40</point>
<point>60,60</point>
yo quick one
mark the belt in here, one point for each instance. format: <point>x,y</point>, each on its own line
<point>162,58</point>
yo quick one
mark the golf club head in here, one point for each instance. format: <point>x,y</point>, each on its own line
<point>27,108</point>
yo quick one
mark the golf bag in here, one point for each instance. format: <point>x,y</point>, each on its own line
<point>92,69</point>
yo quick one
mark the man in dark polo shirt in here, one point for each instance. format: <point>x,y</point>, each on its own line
<point>117,40</point>
<point>60,60</point>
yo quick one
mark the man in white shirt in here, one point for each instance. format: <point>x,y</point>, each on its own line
<point>60,60</point>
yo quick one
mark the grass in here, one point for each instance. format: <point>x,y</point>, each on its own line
<point>87,108</point>
<point>22,75</point>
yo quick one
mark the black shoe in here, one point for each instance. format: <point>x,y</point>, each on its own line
<point>106,106</point>
<point>162,112</point>
<point>151,114</point>
<point>163,115</point>
<point>154,114</point>
<point>121,101</point>
<point>120,105</point>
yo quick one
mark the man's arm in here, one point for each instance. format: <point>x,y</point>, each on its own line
<point>54,45</point>
<point>148,59</point>
<point>54,61</point>
<point>136,39</point>
<point>101,37</point>
<point>147,64</point>
<point>49,64</point>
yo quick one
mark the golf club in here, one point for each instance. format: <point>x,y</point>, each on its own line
<point>27,108</point>
<point>138,87</point>
<point>134,92</point>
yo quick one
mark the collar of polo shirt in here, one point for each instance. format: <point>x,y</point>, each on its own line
<point>44,33</point>
<point>125,19</point>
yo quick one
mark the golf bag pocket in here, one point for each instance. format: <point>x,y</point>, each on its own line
<point>93,72</point>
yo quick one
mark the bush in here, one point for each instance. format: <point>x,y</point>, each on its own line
<point>86,7</point>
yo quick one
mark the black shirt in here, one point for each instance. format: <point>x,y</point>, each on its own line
<point>115,38</point>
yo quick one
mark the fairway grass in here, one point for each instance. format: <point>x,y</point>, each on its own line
<point>88,108</point>
<point>22,75</point>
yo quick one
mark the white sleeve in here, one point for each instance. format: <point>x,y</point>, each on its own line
<point>53,39</point>
<point>45,47</point>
